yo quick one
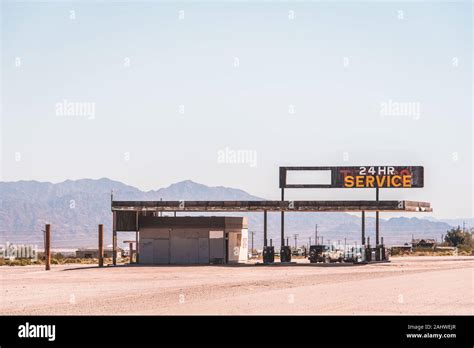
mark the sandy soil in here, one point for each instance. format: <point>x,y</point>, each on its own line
<point>407,285</point>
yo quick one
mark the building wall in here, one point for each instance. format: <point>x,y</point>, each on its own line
<point>191,240</point>
<point>238,245</point>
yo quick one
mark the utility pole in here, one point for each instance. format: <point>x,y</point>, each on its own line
<point>309,241</point>
<point>296,240</point>
<point>464,226</point>
<point>322,241</point>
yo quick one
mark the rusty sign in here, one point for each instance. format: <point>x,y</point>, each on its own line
<point>361,177</point>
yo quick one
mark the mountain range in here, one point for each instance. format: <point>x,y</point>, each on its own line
<point>74,208</point>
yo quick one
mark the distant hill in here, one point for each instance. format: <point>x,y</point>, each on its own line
<point>469,222</point>
<point>76,207</point>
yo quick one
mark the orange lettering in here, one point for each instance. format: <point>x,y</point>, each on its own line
<point>380,180</point>
<point>406,181</point>
<point>349,181</point>
<point>398,178</point>
<point>370,181</point>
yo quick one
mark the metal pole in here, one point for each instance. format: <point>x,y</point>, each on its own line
<point>382,249</point>
<point>264,228</point>
<point>137,252</point>
<point>130,246</point>
<point>101,245</point>
<point>363,228</point>
<point>47,247</point>
<point>316,233</point>
<point>252,233</point>
<point>114,248</point>
<point>283,220</point>
<point>377,227</point>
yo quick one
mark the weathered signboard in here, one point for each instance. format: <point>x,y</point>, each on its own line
<point>361,177</point>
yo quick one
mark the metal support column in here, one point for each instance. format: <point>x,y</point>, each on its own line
<point>101,245</point>
<point>382,250</point>
<point>363,228</point>
<point>264,228</point>
<point>114,238</point>
<point>377,227</point>
<point>282,220</point>
<point>137,250</point>
<point>114,248</point>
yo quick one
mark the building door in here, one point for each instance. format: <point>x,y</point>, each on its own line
<point>146,251</point>
<point>203,250</point>
<point>161,251</point>
<point>216,247</point>
<point>192,250</point>
<point>184,250</point>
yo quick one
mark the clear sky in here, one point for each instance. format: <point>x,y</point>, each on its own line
<point>173,86</point>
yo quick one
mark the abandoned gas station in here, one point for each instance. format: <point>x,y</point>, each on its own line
<point>210,239</point>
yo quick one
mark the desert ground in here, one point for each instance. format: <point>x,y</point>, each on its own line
<point>406,285</point>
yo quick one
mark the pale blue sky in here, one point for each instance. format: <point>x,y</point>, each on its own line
<point>283,62</point>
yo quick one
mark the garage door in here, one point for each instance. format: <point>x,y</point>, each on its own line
<point>203,250</point>
<point>184,250</point>
<point>161,251</point>
<point>146,251</point>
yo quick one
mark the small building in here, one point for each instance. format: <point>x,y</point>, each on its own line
<point>93,253</point>
<point>193,240</point>
<point>400,249</point>
<point>423,243</point>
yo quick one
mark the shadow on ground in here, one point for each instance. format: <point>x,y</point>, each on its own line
<point>240,265</point>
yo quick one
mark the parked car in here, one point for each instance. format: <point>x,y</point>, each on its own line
<point>333,255</point>
<point>316,253</point>
<point>355,254</point>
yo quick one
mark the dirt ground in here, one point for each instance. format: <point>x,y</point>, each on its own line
<point>406,285</point>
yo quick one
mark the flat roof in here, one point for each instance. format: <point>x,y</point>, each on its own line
<point>287,206</point>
